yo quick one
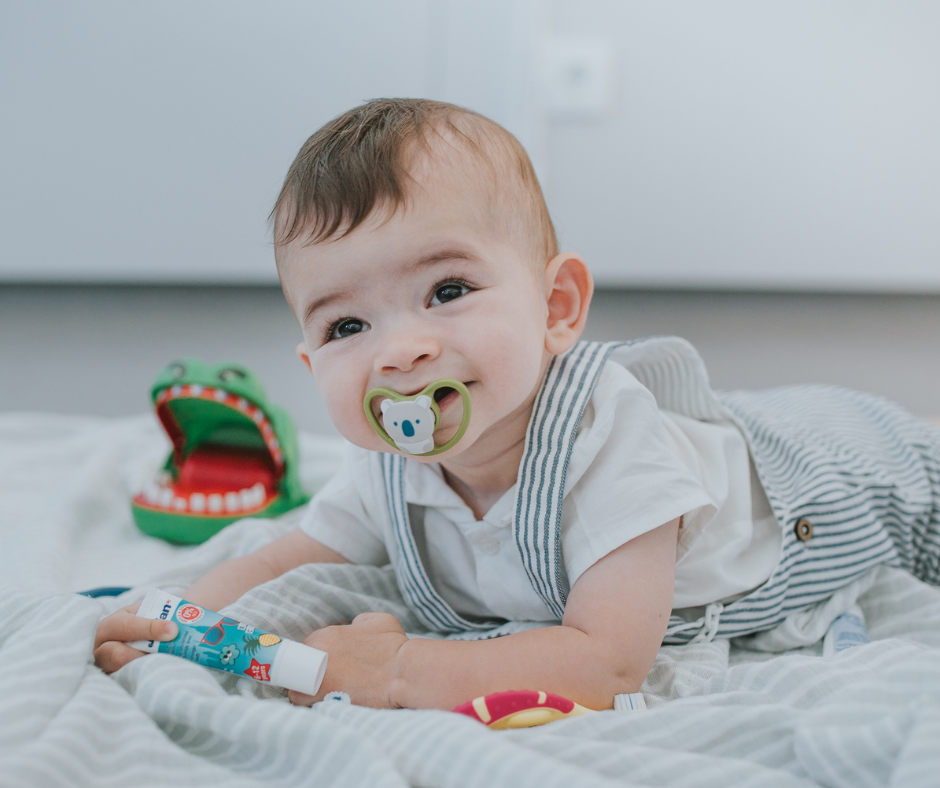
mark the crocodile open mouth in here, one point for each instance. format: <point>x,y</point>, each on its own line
<point>226,461</point>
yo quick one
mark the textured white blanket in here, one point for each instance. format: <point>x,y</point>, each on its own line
<point>718,715</point>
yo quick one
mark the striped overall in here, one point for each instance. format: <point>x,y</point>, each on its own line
<point>853,480</point>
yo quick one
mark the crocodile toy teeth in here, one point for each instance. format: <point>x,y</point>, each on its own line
<point>234,454</point>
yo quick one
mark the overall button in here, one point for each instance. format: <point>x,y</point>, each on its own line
<point>803,529</point>
<point>488,545</point>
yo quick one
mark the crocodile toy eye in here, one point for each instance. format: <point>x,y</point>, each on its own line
<point>177,370</point>
<point>231,374</point>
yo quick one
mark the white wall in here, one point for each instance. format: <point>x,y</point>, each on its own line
<point>758,144</point>
<point>147,141</point>
<point>774,144</point>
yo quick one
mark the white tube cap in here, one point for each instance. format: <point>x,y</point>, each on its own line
<point>298,667</point>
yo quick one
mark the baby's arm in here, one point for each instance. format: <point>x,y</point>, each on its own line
<point>214,590</point>
<point>227,582</point>
<point>615,619</point>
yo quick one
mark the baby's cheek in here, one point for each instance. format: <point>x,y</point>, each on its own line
<point>516,359</point>
<point>348,417</point>
<point>344,406</point>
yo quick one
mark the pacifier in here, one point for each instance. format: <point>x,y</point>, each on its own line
<point>409,422</point>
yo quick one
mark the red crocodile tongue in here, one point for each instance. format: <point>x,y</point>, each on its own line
<point>214,468</point>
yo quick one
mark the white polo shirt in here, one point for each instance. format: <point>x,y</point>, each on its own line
<point>632,469</point>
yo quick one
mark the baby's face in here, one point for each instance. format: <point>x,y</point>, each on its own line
<point>433,291</point>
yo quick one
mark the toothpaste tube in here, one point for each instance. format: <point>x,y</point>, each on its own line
<point>225,644</point>
<point>846,631</point>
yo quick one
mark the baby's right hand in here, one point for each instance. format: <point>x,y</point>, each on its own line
<point>121,627</point>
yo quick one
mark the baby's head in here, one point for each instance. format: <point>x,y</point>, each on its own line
<point>376,156</point>
<point>413,243</point>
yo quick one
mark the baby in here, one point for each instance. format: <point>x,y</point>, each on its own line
<point>603,500</point>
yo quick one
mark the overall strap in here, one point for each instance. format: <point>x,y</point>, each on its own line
<point>413,580</point>
<point>541,483</point>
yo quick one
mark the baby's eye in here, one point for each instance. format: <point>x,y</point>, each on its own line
<point>347,327</point>
<point>448,291</point>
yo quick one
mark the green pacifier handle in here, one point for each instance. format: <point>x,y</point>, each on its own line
<point>435,411</point>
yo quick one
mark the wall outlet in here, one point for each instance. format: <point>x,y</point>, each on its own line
<point>577,77</point>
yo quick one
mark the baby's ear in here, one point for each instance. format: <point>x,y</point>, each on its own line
<point>568,290</point>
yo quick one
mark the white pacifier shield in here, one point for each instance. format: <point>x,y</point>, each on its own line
<point>410,423</point>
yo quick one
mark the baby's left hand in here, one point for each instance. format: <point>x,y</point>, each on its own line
<point>361,660</point>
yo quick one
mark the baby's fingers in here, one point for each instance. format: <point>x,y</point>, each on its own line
<point>112,655</point>
<point>126,627</point>
<point>111,650</point>
<point>300,699</point>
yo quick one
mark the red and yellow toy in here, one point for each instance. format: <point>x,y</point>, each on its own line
<point>520,709</point>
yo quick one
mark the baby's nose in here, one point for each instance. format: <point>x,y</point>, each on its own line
<point>405,350</point>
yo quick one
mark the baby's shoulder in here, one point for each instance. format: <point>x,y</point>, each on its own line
<point>669,370</point>
<point>615,380</point>
<point>618,395</point>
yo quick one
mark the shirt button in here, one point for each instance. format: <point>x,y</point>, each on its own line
<point>488,545</point>
<point>803,529</point>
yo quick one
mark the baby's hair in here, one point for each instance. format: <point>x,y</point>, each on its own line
<point>362,159</point>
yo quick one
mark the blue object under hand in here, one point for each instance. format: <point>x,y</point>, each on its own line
<point>105,591</point>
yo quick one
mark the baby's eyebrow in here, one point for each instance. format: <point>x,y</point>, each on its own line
<point>443,255</point>
<point>322,302</point>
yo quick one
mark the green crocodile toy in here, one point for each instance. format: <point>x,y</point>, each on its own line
<point>234,454</point>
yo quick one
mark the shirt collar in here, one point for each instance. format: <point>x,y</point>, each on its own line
<point>425,486</point>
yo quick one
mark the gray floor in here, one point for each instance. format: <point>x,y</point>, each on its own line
<point>96,349</point>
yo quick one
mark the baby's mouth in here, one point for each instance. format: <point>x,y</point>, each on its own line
<point>447,396</point>
<point>442,393</point>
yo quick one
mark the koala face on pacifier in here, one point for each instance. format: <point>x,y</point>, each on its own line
<point>408,423</point>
